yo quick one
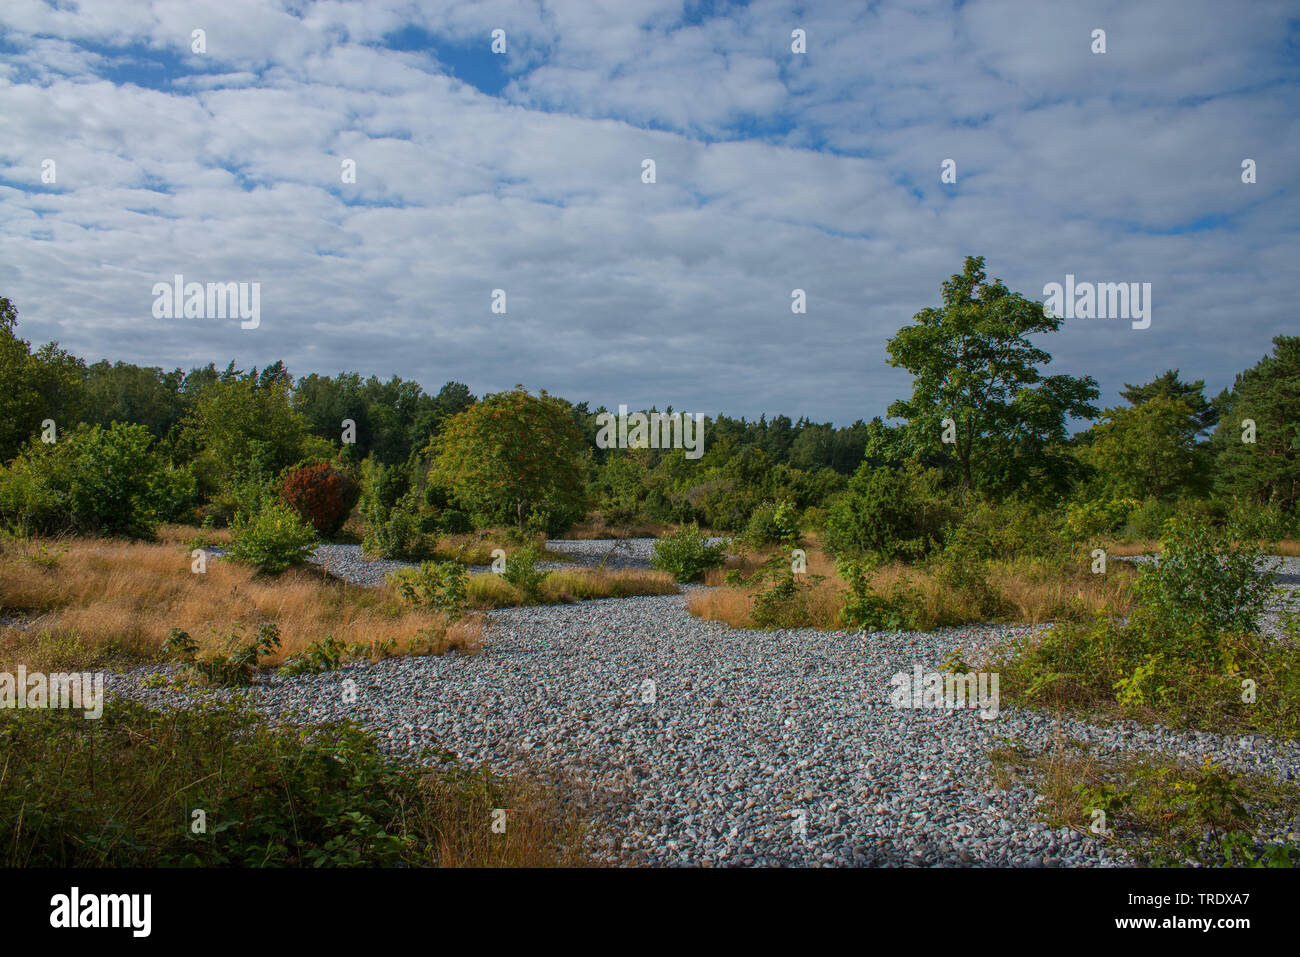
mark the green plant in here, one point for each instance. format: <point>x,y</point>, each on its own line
<point>236,664</point>
<point>325,655</point>
<point>522,571</point>
<point>440,585</point>
<point>686,554</point>
<point>273,540</point>
<point>864,608</point>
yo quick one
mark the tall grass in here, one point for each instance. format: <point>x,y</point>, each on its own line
<point>86,602</point>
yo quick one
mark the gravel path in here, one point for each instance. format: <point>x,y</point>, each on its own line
<point>348,563</point>
<point>758,748</point>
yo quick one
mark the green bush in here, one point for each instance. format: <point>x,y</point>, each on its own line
<point>522,571</point>
<point>106,481</point>
<point>1012,529</point>
<point>773,524</point>
<point>864,608</point>
<point>325,655</point>
<point>236,665</point>
<point>885,514</point>
<point>124,788</point>
<point>440,585</point>
<point>1206,581</point>
<point>686,554</point>
<point>273,540</point>
<point>1147,521</point>
<point>1086,520</point>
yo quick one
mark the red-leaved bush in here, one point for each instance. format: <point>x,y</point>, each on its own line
<point>322,495</point>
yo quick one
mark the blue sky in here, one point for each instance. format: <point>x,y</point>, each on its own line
<point>522,171</point>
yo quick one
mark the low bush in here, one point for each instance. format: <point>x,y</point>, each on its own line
<point>94,480</point>
<point>522,571</point>
<point>686,554</point>
<point>443,586</point>
<point>235,665</point>
<point>273,540</point>
<point>121,784</point>
<point>322,495</point>
<point>886,513</point>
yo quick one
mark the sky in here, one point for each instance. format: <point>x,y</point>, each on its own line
<point>522,171</point>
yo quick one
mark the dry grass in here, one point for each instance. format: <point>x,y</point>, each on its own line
<point>93,601</point>
<point>1025,592</point>
<point>1287,546</point>
<point>489,590</point>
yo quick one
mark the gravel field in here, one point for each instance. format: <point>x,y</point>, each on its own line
<point>766,748</point>
<point>347,562</point>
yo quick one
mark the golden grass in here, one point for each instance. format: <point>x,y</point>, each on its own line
<point>489,590</point>
<point>1289,547</point>
<point>1024,591</point>
<point>92,601</point>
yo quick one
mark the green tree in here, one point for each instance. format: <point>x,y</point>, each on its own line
<point>512,455</point>
<point>1267,470</point>
<point>1202,414</point>
<point>42,385</point>
<point>1143,450</point>
<point>236,424</point>
<point>974,364</point>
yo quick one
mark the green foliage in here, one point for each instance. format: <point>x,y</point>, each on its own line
<point>514,454</point>
<point>975,364</point>
<point>773,524</point>
<point>1149,449</point>
<point>273,540</point>
<point>440,585</point>
<point>784,598</point>
<point>241,423</point>
<point>887,513</point>
<point>1267,470</point>
<point>327,654</point>
<point>864,608</point>
<point>686,554</point>
<point>109,481</point>
<point>1206,581</point>
<point>1188,650</point>
<point>1085,520</point>
<point>392,531</point>
<point>1006,530</point>
<point>522,571</point>
<point>236,665</point>
<point>123,792</point>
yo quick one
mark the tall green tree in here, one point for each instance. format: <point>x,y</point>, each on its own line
<point>1266,396</point>
<point>974,364</point>
<point>512,455</point>
<point>34,386</point>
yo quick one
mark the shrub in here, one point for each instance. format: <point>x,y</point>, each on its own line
<point>325,655</point>
<point>686,554</point>
<point>522,571</point>
<point>1010,529</point>
<point>322,495</point>
<point>1147,521</point>
<point>773,525</point>
<point>440,585</point>
<point>453,521</point>
<point>883,514</point>
<point>864,608</point>
<point>236,665</point>
<point>1085,520</point>
<point>1206,582</point>
<point>273,540</point>
<point>107,481</point>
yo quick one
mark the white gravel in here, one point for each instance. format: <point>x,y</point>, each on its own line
<point>759,748</point>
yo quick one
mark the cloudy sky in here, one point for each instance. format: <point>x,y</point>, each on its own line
<point>522,171</point>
